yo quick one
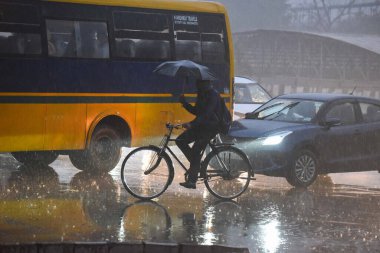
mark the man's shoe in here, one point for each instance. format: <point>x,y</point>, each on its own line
<point>188,184</point>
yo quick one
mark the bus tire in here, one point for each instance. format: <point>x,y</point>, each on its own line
<point>78,159</point>
<point>103,153</point>
<point>35,157</point>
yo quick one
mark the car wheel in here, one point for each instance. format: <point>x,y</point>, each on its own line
<point>304,169</point>
<point>35,157</point>
<point>103,153</point>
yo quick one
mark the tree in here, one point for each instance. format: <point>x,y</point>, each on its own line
<point>326,18</point>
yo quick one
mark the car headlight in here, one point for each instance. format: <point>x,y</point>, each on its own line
<point>275,139</point>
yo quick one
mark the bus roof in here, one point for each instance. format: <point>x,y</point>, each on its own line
<point>181,5</point>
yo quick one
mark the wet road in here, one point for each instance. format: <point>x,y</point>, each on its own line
<point>339,213</point>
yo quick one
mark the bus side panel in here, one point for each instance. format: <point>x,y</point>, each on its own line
<point>151,119</point>
<point>22,127</point>
<point>65,126</point>
<point>22,111</point>
<point>126,111</point>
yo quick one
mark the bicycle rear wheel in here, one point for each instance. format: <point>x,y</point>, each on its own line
<point>228,172</point>
<point>145,174</point>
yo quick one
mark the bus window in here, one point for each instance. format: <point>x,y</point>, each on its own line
<point>20,43</point>
<point>125,48</point>
<point>213,49</point>
<point>187,37</point>
<point>212,35</point>
<point>19,29</point>
<point>141,35</point>
<point>82,39</point>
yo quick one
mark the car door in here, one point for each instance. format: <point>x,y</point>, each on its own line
<point>339,145</point>
<point>370,135</point>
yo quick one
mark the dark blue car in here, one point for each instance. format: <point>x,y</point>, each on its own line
<point>299,136</point>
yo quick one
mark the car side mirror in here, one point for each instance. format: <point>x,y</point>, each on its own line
<point>331,122</point>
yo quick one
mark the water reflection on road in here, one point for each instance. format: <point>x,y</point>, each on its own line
<point>59,203</point>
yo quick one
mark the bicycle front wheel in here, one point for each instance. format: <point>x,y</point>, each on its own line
<point>228,172</point>
<point>145,174</point>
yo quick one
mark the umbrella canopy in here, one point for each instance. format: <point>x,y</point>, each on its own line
<point>185,69</point>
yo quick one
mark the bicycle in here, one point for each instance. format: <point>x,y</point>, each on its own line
<point>148,171</point>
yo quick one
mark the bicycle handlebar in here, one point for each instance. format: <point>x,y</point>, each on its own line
<point>171,126</point>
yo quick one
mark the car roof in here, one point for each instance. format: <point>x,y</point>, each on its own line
<point>325,96</point>
<point>243,80</point>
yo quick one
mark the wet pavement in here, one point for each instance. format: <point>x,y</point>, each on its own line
<point>58,203</point>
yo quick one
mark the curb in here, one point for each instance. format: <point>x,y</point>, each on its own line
<point>112,247</point>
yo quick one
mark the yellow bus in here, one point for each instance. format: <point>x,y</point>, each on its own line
<point>76,75</point>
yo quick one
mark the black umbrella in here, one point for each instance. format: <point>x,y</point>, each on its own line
<point>185,69</point>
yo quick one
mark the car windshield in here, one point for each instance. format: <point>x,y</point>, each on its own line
<point>250,93</point>
<point>289,110</point>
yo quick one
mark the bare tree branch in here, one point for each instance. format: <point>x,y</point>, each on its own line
<point>319,16</point>
<point>326,21</point>
<point>343,12</point>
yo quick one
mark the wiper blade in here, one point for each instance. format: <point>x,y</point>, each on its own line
<point>271,106</point>
<point>254,114</point>
<point>278,112</point>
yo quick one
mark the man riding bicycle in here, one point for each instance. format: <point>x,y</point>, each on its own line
<point>200,130</point>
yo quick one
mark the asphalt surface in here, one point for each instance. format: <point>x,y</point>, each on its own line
<point>58,203</point>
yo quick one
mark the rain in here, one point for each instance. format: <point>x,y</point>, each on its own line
<point>59,203</point>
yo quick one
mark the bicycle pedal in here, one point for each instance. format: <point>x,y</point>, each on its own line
<point>253,178</point>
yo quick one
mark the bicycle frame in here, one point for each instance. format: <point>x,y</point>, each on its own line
<point>167,138</point>
<point>165,141</point>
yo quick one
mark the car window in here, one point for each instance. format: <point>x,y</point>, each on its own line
<point>250,93</point>
<point>242,95</point>
<point>370,112</point>
<point>344,112</point>
<point>258,94</point>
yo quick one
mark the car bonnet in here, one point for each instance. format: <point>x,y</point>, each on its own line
<point>245,128</point>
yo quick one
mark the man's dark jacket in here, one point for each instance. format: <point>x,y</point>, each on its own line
<point>206,109</point>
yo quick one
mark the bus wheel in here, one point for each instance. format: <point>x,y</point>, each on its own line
<point>35,157</point>
<point>103,153</point>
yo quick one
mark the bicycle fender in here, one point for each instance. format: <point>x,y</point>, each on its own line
<point>246,157</point>
<point>224,144</point>
<point>237,150</point>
